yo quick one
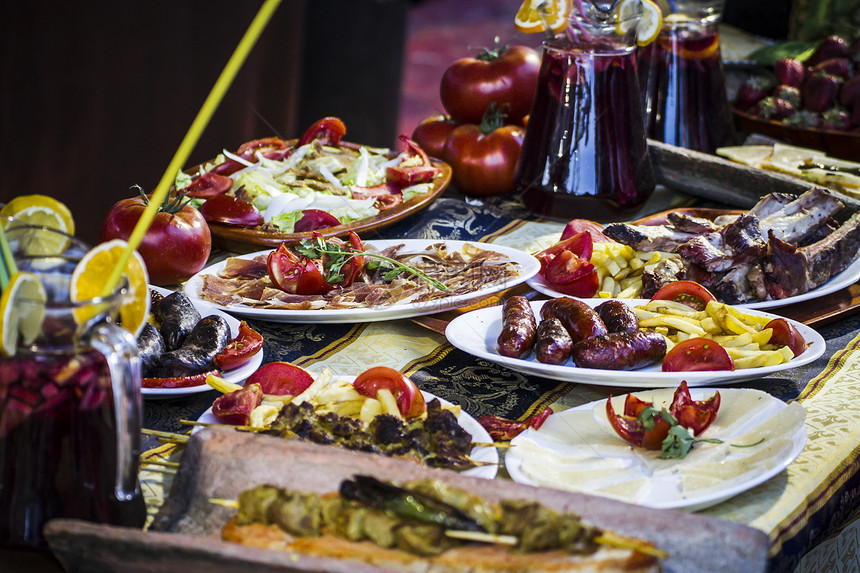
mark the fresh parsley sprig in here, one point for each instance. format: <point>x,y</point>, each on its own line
<point>339,255</point>
<point>679,442</point>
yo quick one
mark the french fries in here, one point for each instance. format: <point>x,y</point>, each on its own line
<point>743,335</point>
<point>620,268</point>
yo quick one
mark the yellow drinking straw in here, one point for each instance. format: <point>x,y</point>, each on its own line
<point>190,140</point>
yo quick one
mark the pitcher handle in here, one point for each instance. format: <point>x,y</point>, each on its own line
<point>119,348</point>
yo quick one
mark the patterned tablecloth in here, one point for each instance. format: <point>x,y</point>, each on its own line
<point>808,506</point>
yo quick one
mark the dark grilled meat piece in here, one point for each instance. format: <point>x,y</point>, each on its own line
<point>208,338</point>
<point>150,347</point>
<point>178,318</point>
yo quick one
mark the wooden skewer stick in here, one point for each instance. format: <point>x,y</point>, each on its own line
<point>172,465</point>
<point>178,438</point>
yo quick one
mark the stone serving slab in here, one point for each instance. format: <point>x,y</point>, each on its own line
<point>220,463</point>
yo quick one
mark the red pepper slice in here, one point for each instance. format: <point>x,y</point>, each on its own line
<point>241,349</point>
<point>503,429</point>
<point>633,431</point>
<point>313,219</point>
<point>328,130</point>
<point>695,415</point>
<point>179,381</point>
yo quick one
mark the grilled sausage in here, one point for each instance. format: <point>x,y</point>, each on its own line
<point>208,338</point>
<point>150,347</point>
<point>620,350</point>
<point>178,318</point>
<point>578,318</point>
<point>553,342</point>
<point>518,328</point>
<point>617,316</point>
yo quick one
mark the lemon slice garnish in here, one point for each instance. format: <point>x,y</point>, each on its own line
<point>538,15</point>
<point>39,211</point>
<point>624,14</point>
<point>650,23</point>
<point>90,274</point>
<point>22,309</point>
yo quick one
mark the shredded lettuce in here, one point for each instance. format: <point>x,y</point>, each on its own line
<point>413,190</point>
<point>286,222</point>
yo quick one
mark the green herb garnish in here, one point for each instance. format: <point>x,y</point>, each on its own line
<point>339,255</point>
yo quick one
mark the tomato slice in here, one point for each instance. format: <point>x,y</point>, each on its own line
<point>569,274</point>
<point>294,274</point>
<point>208,185</point>
<point>266,145</point>
<point>328,130</point>
<point>577,226</point>
<point>235,408</point>
<point>313,219</point>
<point>581,245</point>
<point>281,379</point>
<point>785,334</point>
<point>410,401</point>
<point>241,349</point>
<point>697,355</point>
<point>690,293</point>
<point>413,174</point>
<point>230,211</point>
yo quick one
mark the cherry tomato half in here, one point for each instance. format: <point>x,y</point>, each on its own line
<point>690,293</point>
<point>697,355</point>
<point>294,274</point>
<point>785,334</point>
<point>241,349</point>
<point>410,401</point>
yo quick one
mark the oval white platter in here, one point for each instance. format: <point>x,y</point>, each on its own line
<point>476,332</point>
<point>486,456</point>
<point>578,450</point>
<point>529,266</point>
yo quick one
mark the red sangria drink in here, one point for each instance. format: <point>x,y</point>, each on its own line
<point>683,89</point>
<point>585,154</point>
<point>69,415</point>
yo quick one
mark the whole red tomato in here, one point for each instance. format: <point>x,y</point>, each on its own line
<point>506,76</point>
<point>484,157</point>
<point>431,134</point>
<point>175,247</point>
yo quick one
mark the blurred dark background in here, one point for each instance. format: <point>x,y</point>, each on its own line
<point>95,96</point>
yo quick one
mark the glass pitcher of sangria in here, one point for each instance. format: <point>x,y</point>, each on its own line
<point>70,404</point>
<point>585,154</point>
<point>683,89</point>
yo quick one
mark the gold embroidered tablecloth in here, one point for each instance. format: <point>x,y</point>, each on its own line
<point>798,509</point>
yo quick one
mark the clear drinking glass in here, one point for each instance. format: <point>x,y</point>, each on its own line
<point>70,406</point>
<point>683,89</point>
<point>585,153</point>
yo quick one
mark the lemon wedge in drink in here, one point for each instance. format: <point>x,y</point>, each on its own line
<point>22,309</point>
<point>91,273</point>
<point>39,211</point>
<point>650,23</point>
<point>540,15</point>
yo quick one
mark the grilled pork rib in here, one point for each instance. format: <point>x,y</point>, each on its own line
<point>755,256</point>
<point>792,270</point>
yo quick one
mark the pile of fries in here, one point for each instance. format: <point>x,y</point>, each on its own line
<point>325,394</point>
<point>743,335</point>
<point>620,268</point>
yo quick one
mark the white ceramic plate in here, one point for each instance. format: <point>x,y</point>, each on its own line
<point>578,450</point>
<point>476,332</point>
<point>483,454</point>
<point>236,375</point>
<point>529,267</point>
<point>844,279</point>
